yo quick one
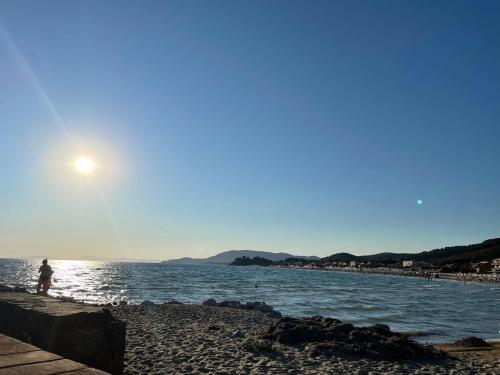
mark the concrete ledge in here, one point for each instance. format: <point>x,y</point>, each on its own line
<point>82,333</point>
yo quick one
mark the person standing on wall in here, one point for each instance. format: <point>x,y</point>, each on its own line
<point>45,279</point>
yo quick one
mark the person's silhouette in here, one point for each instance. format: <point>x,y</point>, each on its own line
<point>45,279</point>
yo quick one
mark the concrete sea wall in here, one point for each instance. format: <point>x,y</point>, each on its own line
<point>83,333</point>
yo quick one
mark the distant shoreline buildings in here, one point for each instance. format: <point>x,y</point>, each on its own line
<point>468,263</point>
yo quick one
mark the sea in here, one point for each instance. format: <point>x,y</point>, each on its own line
<point>438,310</point>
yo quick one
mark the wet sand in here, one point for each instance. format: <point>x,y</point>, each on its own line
<point>197,339</point>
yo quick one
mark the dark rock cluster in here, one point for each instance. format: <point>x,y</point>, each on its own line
<point>173,302</point>
<point>325,336</point>
<point>472,342</point>
<point>260,306</point>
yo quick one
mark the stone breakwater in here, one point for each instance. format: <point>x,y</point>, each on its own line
<point>200,339</point>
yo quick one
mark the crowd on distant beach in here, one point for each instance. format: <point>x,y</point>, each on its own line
<point>465,277</point>
<point>475,277</point>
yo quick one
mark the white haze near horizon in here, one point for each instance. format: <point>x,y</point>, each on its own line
<point>98,258</point>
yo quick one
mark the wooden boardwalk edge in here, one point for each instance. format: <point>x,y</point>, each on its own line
<point>19,358</point>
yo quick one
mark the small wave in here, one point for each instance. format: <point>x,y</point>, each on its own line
<point>431,335</point>
<point>416,333</point>
<point>363,308</point>
<point>393,318</point>
<point>425,333</point>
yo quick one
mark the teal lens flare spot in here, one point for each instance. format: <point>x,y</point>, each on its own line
<point>420,202</point>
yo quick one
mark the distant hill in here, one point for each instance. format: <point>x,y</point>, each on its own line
<point>341,257</point>
<point>229,256</point>
<point>486,250</point>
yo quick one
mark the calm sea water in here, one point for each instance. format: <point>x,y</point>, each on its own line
<point>445,310</point>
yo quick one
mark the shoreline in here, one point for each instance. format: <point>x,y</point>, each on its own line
<point>461,277</point>
<point>233,338</point>
<point>444,327</point>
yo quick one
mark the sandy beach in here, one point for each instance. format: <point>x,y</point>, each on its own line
<point>467,277</point>
<point>198,339</point>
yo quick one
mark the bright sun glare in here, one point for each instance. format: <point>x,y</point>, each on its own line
<point>84,165</point>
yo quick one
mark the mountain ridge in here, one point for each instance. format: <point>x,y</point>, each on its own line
<point>486,250</point>
<point>229,256</point>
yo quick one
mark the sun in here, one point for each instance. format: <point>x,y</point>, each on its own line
<point>84,165</point>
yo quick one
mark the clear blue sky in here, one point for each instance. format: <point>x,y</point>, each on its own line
<point>308,127</point>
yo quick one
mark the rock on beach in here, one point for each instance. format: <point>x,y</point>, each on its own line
<point>328,335</point>
<point>472,342</point>
<point>259,306</point>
